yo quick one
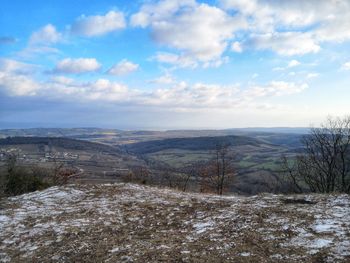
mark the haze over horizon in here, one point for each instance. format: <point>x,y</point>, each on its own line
<point>301,130</point>
<point>173,64</point>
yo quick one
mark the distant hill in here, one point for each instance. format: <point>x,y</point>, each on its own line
<point>196,143</point>
<point>290,130</point>
<point>292,140</point>
<point>289,137</point>
<point>56,132</point>
<point>66,143</point>
<point>97,132</point>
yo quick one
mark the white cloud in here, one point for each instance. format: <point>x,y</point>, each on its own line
<point>276,88</point>
<point>202,32</point>
<point>266,14</point>
<point>236,47</point>
<point>33,50</point>
<point>158,11</point>
<point>102,89</point>
<point>199,31</point>
<point>165,79</point>
<point>15,78</point>
<point>346,66</point>
<point>17,67</point>
<point>186,61</point>
<point>62,80</point>
<point>18,85</point>
<point>312,22</point>
<point>182,95</point>
<point>286,43</point>
<point>297,13</point>
<point>278,69</point>
<point>179,96</point>
<point>41,41</point>
<point>76,66</point>
<point>99,90</point>
<point>293,63</point>
<point>181,61</point>
<point>46,35</point>
<point>124,67</point>
<point>199,95</point>
<point>216,62</point>
<point>98,25</point>
<point>312,75</point>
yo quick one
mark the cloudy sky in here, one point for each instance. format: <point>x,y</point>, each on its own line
<point>173,63</point>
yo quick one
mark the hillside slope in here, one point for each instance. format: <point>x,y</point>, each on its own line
<point>61,142</point>
<point>130,223</point>
<point>196,143</point>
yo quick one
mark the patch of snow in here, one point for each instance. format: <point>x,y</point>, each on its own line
<point>343,248</point>
<point>163,247</point>
<point>126,259</point>
<point>4,220</point>
<point>277,256</point>
<point>320,243</point>
<point>114,250</point>
<point>325,226</point>
<point>203,226</point>
<point>4,258</point>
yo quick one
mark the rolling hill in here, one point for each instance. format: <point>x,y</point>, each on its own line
<point>194,144</point>
<point>66,143</point>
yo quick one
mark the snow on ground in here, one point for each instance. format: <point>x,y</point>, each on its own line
<point>132,223</point>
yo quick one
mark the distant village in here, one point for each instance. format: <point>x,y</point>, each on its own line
<point>48,155</point>
<point>44,157</point>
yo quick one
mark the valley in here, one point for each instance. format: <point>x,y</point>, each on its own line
<point>110,155</point>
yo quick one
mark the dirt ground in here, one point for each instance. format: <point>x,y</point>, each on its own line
<point>132,223</point>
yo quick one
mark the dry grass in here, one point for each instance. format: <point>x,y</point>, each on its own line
<point>129,223</point>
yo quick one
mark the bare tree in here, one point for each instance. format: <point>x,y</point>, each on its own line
<point>218,173</point>
<point>325,164</point>
<point>190,173</point>
<point>57,168</point>
<point>139,174</point>
<point>291,180</point>
<point>169,178</point>
<point>187,176</point>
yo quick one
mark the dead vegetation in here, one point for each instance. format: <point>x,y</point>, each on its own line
<point>132,223</point>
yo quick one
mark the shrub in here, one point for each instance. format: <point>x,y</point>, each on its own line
<point>18,180</point>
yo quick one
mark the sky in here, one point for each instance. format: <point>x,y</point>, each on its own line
<point>173,64</point>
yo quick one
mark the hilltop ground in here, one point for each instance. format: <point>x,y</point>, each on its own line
<point>131,223</point>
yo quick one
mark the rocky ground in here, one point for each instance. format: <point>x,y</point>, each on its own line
<point>132,223</point>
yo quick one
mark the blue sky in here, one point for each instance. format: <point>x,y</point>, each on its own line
<point>173,64</point>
